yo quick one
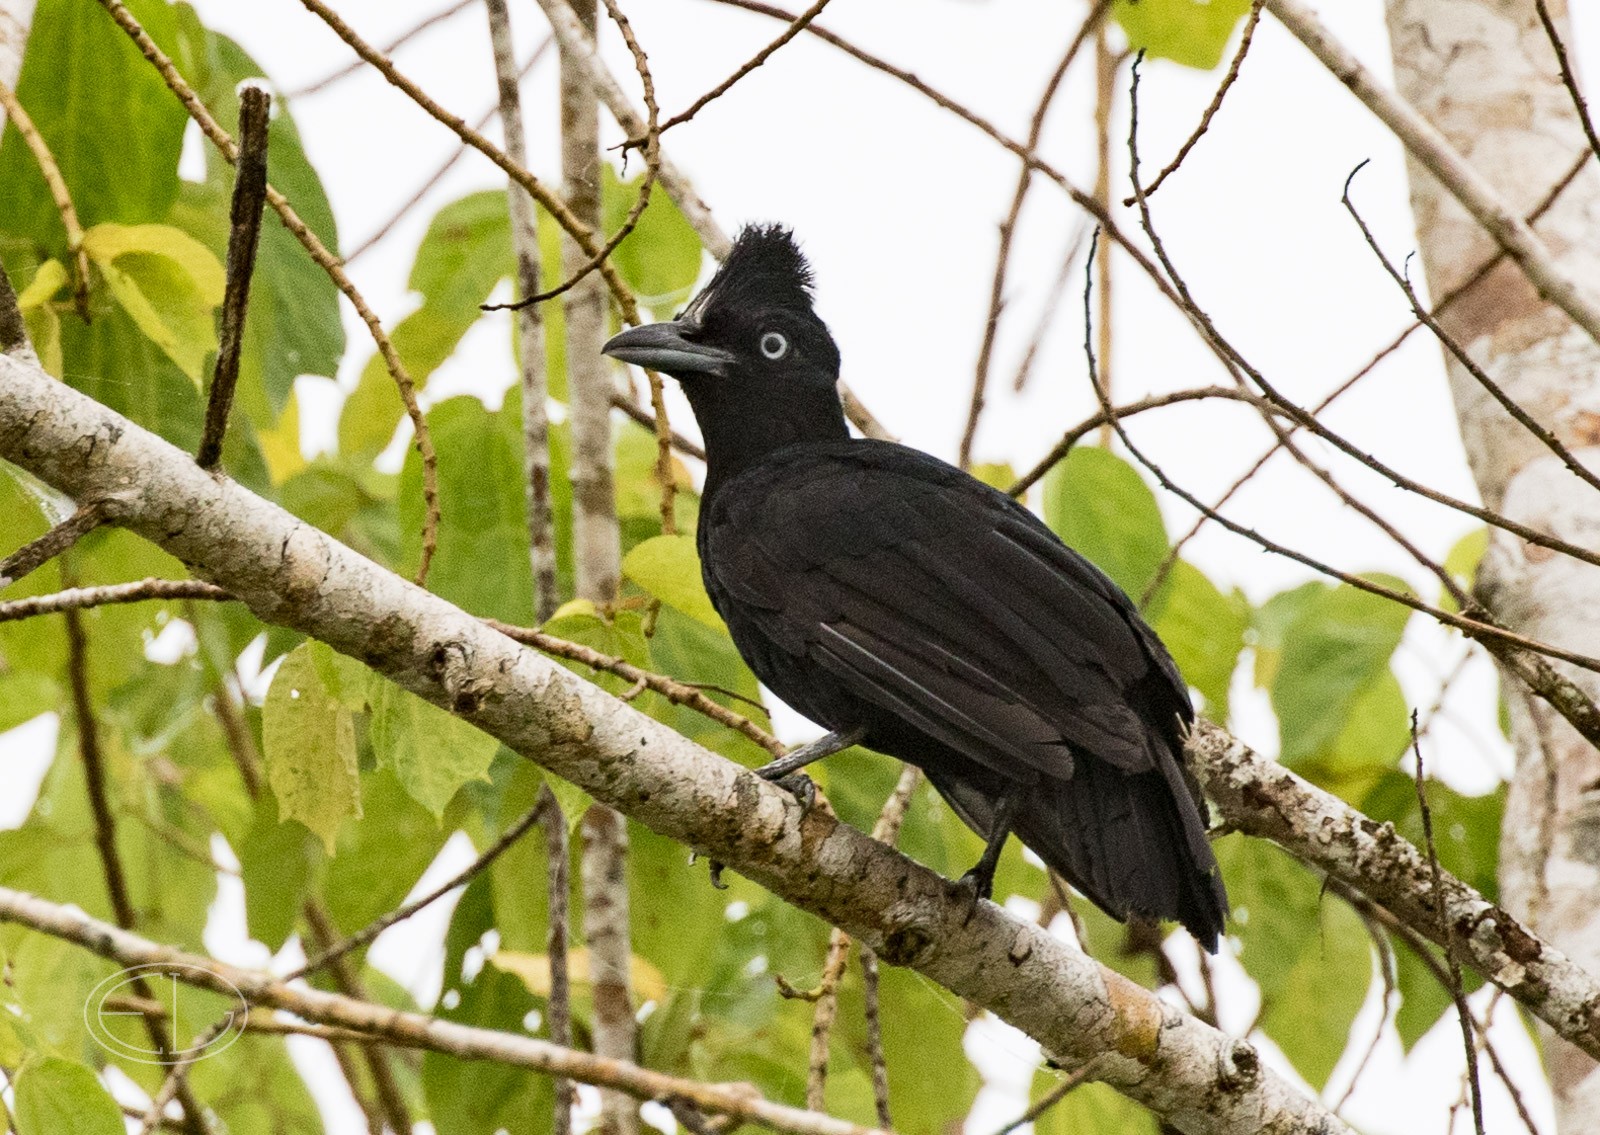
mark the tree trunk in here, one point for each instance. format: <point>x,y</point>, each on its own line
<point>1485,73</point>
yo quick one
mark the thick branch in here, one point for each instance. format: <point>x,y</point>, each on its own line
<point>291,573</point>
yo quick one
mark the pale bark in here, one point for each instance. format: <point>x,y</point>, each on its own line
<point>1484,73</point>
<point>291,573</point>
<point>597,557</point>
<point>530,326</point>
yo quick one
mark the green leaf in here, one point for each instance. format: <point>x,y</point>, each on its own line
<point>1371,740</point>
<point>381,858</point>
<point>169,284</point>
<point>309,742</point>
<point>1309,954</point>
<point>1100,506</point>
<point>1191,32</point>
<point>112,125</point>
<point>432,752</point>
<point>1089,1109</point>
<point>660,259</point>
<point>44,325</point>
<point>55,1095</point>
<point>1466,829</point>
<point>1462,563</point>
<point>278,862</point>
<point>1204,630</point>
<point>668,567</point>
<point>464,254</point>
<point>1336,646</point>
<point>482,564</point>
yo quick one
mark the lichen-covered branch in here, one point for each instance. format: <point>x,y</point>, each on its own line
<point>290,573</point>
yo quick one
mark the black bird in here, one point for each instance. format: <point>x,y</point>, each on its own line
<point>902,603</point>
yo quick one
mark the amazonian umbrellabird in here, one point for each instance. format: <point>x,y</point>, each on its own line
<point>898,601</point>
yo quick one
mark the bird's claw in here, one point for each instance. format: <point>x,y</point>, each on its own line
<point>975,886</point>
<point>801,787</point>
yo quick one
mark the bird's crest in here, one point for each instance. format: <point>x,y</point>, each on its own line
<point>765,268</point>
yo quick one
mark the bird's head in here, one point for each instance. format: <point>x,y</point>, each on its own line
<point>752,326</point>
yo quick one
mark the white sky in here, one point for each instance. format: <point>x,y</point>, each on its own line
<point>897,204</point>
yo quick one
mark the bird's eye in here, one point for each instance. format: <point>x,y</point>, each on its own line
<point>774,345</point>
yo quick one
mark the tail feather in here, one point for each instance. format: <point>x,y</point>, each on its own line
<point>1134,844</point>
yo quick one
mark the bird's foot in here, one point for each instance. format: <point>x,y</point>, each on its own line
<point>976,885</point>
<point>800,786</point>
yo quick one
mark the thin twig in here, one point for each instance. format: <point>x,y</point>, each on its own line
<point>445,167</point>
<point>105,839</point>
<point>17,115</point>
<point>1047,1101</point>
<point>530,323</point>
<point>558,1006</point>
<point>1507,403</point>
<point>80,598</point>
<point>249,192</point>
<point>390,48</point>
<point>880,1069</point>
<point>1050,308</point>
<point>674,691</point>
<point>36,553</point>
<point>1216,104</point>
<point>389,1026</point>
<point>1008,228</point>
<point>378,925</point>
<point>1568,77</point>
<point>329,263</point>
<point>797,25</point>
<point>1446,933</point>
<point>1386,970</point>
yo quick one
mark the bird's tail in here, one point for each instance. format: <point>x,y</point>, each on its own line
<point>1133,844</point>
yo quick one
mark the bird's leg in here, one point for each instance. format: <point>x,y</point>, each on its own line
<point>981,878</point>
<point>824,746</point>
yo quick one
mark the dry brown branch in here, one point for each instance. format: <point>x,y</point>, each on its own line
<point>1045,1102</point>
<point>558,1006</point>
<point>880,1069</point>
<point>1215,105</point>
<point>17,115</point>
<point>390,48</point>
<point>410,1030</point>
<point>78,598</point>
<point>1008,228</point>
<point>36,553</point>
<point>249,193</point>
<point>324,258</point>
<point>1568,77</point>
<point>445,167</point>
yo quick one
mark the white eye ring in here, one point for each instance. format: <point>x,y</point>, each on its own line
<point>774,345</point>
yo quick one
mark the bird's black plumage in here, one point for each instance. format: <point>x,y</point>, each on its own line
<point>876,588</point>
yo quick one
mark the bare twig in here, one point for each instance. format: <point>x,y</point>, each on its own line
<point>324,258</point>
<point>1507,403</point>
<point>445,167</point>
<point>17,115</point>
<point>1463,1013</point>
<point>1050,308</point>
<point>1568,77</point>
<point>880,1070</point>
<point>1386,970</point>
<point>1047,1101</point>
<point>390,48</point>
<point>367,934</point>
<point>1435,153</point>
<point>38,552</point>
<point>105,839</point>
<point>530,324</point>
<point>411,1030</point>
<point>796,26</point>
<point>1216,104</point>
<point>79,598</point>
<point>1008,228</point>
<point>249,192</point>
<point>558,1006</point>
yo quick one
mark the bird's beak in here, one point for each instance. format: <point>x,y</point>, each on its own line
<point>664,347</point>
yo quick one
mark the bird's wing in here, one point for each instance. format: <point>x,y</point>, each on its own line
<point>944,603</point>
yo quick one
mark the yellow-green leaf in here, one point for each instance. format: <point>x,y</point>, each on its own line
<point>668,567</point>
<point>56,1095</point>
<point>169,284</point>
<point>309,741</point>
<point>432,753</point>
<point>46,282</point>
<point>534,970</point>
